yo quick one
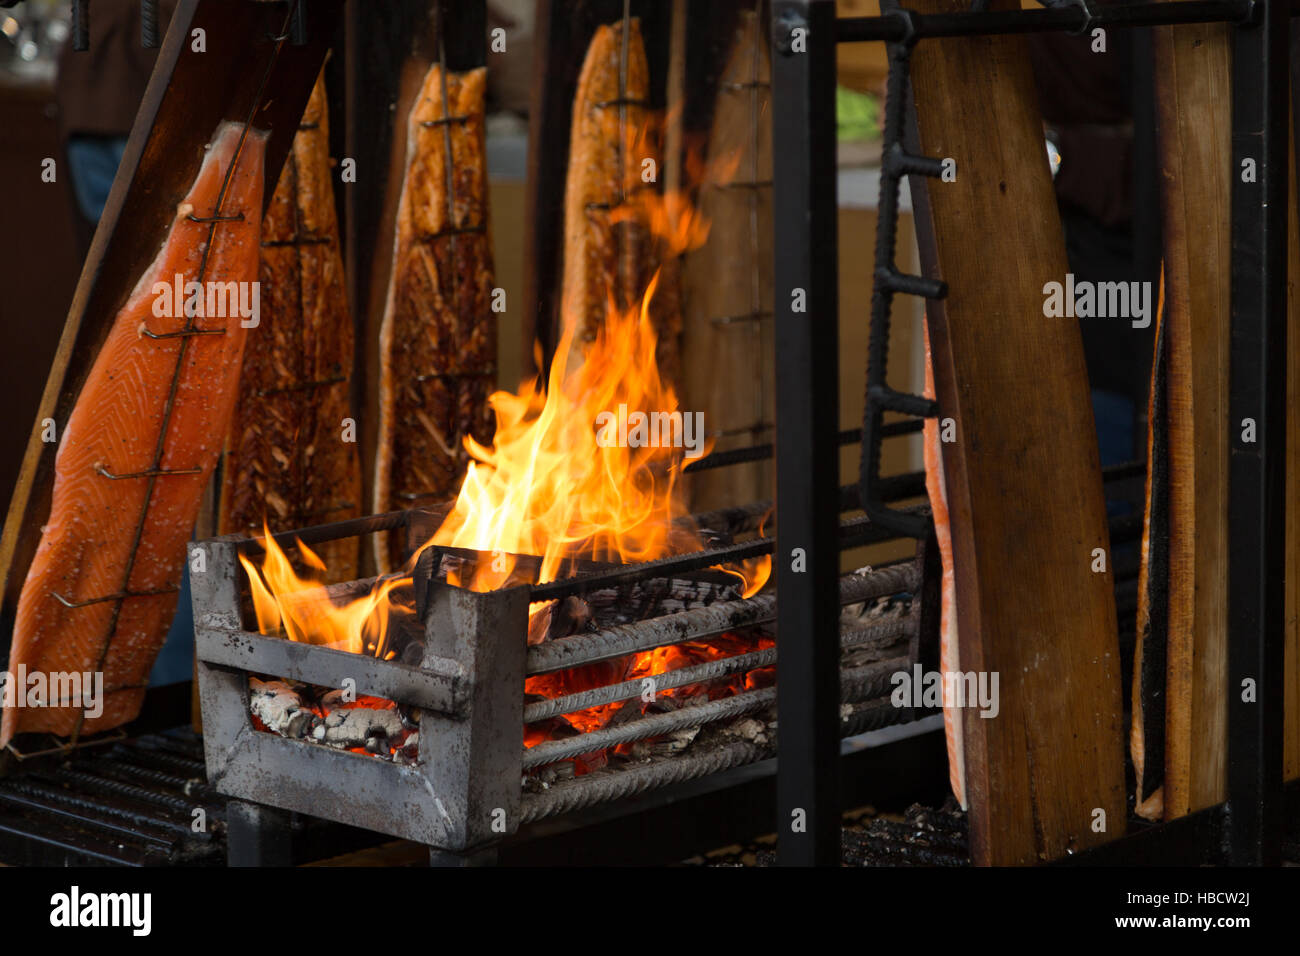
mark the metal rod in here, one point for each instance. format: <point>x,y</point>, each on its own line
<point>317,534</point>
<point>759,452</point>
<point>586,791</point>
<point>668,680</point>
<point>857,683</point>
<point>1073,18</point>
<point>1257,467</point>
<point>854,533</point>
<point>149,24</point>
<point>704,622</point>
<point>81,25</point>
<point>555,750</point>
<point>806,345</point>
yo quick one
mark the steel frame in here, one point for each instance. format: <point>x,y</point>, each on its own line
<point>1246,829</point>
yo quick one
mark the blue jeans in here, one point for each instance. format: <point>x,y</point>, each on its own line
<point>93,161</point>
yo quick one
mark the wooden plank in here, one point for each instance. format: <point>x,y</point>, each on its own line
<point>1023,476</point>
<point>189,94</point>
<point>1194,105</point>
<point>726,354</point>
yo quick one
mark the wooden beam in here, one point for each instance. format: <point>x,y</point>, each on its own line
<point>1023,476</point>
<point>1194,107</point>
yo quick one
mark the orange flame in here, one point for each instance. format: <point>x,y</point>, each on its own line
<point>303,608</point>
<point>548,486</point>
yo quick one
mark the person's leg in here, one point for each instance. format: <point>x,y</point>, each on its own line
<point>93,162</point>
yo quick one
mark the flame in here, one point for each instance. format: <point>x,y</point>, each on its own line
<point>551,486</point>
<point>300,606</point>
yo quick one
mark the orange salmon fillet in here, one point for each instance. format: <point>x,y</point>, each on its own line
<point>949,660</point>
<point>104,536</point>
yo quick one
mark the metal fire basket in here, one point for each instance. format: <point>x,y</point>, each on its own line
<point>466,788</point>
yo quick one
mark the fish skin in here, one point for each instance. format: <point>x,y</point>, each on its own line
<point>116,423</point>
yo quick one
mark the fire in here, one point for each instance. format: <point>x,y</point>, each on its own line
<point>549,487</point>
<point>301,606</point>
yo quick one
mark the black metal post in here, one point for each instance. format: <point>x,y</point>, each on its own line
<point>81,25</point>
<point>807,555</point>
<point>257,835</point>
<point>1257,408</point>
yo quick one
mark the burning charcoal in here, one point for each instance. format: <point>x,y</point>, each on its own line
<point>279,707</point>
<point>665,746</point>
<point>630,710</point>
<point>334,698</point>
<point>409,752</point>
<point>660,596</point>
<point>590,763</point>
<point>410,717</point>
<point>353,727</point>
<point>556,772</point>
<point>558,619</point>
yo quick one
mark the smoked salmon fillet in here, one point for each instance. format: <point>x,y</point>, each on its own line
<point>609,252</point>
<point>438,339</point>
<point>289,458</point>
<point>105,537</point>
<point>949,659</point>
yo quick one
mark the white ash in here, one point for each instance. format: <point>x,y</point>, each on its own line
<point>667,745</point>
<point>356,726</point>
<point>279,707</point>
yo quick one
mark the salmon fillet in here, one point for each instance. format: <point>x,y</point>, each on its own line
<point>288,459</point>
<point>104,536</point>
<point>1150,657</point>
<point>609,254</point>
<point>949,657</point>
<point>438,339</point>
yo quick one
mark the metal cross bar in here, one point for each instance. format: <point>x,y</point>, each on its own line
<point>1071,18</point>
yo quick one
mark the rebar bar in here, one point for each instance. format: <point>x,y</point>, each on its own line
<point>703,622</point>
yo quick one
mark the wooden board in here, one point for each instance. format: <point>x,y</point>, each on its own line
<point>1194,106</point>
<point>189,94</point>
<point>1023,476</point>
<point>727,283</point>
